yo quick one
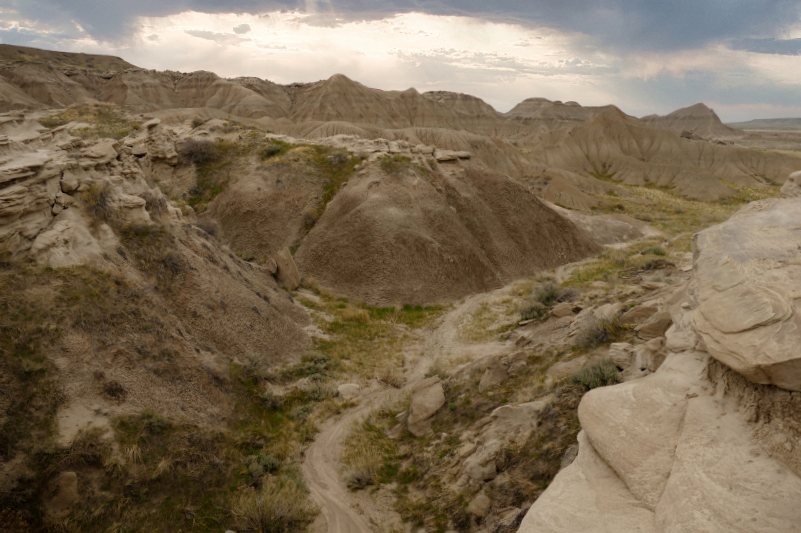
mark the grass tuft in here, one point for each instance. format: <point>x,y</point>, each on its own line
<point>279,506</point>
<point>598,374</point>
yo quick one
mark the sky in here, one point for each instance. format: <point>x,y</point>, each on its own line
<point>740,57</point>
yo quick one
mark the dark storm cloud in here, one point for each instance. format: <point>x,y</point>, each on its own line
<point>787,47</point>
<point>618,24</point>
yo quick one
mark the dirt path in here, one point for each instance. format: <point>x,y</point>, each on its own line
<point>341,510</point>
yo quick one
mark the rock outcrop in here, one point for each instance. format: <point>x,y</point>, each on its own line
<point>747,286</point>
<point>427,398</point>
<point>707,442</point>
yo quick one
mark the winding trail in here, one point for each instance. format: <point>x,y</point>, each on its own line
<point>320,468</point>
<point>347,512</point>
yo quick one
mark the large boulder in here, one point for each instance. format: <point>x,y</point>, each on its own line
<point>427,398</point>
<point>697,445</point>
<point>747,286</point>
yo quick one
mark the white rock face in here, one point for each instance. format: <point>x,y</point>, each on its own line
<point>708,442</point>
<point>747,284</point>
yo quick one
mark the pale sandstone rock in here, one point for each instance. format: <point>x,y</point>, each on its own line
<point>349,391</point>
<point>427,398</point>
<point>722,482</point>
<point>792,187</point>
<point>493,375</point>
<point>69,182</point>
<point>747,286</point>
<point>160,146</point>
<point>635,426</point>
<point>587,497</point>
<point>565,368</point>
<point>286,270</point>
<point>67,241</point>
<point>514,423</point>
<point>479,506</point>
<point>622,354</point>
<point>608,312</point>
<point>650,355</point>
<point>638,315</point>
<point>564,309</point>
<point>480,466</point>
<point>103,152</point>
<point>656,326</point>
<point>691,450</point>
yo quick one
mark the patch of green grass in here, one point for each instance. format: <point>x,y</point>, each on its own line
<point>370,338</point>
<point>153,248</point>
<point>106,120</point>
<point>395,164</point>
<point>214,174</point>
<point>604,173</point>
<point>653,250</point>
<point>336,166</point>
<point>274,148</point>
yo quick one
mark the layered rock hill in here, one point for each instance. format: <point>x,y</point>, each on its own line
<point>565,141</point>
<point>616,147</point>
<point>68,204</point>
<point>543,114</point>
<point>708,442</point>
<point>697,119</point>
<point>419,236</point>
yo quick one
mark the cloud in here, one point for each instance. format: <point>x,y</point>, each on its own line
<point>242,29</point>
<point>217,37</point>
<point>768,46</point>
<point>617,24</point>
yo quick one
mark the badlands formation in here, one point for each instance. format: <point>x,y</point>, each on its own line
<point>227,304</point>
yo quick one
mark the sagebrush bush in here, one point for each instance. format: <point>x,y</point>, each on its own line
<point>280,505</point>
<point>653,250</point>
<point>271,150</point>
<point>598,374</point>
<point>534,311</point>
<point>548,294</point>
<point>600,332</point>
<point>98,202</point>
<point>196,152</point>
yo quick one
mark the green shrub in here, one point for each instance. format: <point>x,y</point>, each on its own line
<point>197,152</point>
<point>535,311</point>
<point>600,332</point>
<point>273,149</point>
<point>98,202</point>
<point>598,374</point>
<point>197,122</point>
<point>653,250</point>
<point>394,164</point>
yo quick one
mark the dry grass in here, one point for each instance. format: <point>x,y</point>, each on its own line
<point>486,323</point>
<point>277,507</point>
<point>105,120</point>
